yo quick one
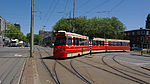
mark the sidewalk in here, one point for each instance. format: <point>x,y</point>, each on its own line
<point>34,72</point>
<point>139,54</point>
<point>30,75</point>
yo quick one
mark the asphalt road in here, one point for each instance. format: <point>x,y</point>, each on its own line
<point>11,61</point>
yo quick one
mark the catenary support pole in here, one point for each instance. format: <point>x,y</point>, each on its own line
<point>32,29</point>
<point>73,17</point>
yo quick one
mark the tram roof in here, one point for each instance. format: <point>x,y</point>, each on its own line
<point>102,39</point>
<point>74,34</point>
<point>118,40</point>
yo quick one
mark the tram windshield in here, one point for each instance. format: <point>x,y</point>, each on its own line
<point>60,41</point>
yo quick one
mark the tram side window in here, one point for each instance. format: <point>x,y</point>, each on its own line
<point>123,44</point>
<point>109,43</point>
<point>69,41</point>
<point>86,43</point>
<point>117,43</point>
<point>120,43</point>
<point>128,44</point>
<point>77,41</point>
<point>114,43</point>
<point>102,43</point>
<point>99,43</point>
<point>81,42</point>
<point>94,43</point>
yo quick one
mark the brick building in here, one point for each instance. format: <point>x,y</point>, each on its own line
<point>139,38</point>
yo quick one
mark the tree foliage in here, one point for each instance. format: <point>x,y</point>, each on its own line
<point>148,22</point>
<point>95,27</point>
<point>37,38</point>
<point>14,33</point>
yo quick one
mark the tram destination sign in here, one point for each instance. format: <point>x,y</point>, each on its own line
<point>59,34</point>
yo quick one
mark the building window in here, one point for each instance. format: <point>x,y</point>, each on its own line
<point>142,32</point>
<point>138,32</point>
<point>142,39</point>
<point>147,33</point>
<point>133,33</point>
<point>147,38</point>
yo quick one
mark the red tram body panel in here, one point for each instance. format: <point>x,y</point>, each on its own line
<point>71,44</point>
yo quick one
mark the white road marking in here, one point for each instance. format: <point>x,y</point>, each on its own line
<point>17,55</point>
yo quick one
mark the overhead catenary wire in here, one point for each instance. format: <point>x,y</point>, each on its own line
<point>97,6</point>
<point>65,7</point>
<point>117,5</point>
<point>53,10</point>
<point>80,6</point>
<point>46,14</point>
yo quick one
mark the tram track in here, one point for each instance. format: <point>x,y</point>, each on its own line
<point>133,78</point>
<point>146,75</point>
<point>55,73</point>
<point>145,68</point>
<point>111,72</point>
<point>72,70</point>
<point>83,78</point>
<point>53,78</point>
<point>129,69</point>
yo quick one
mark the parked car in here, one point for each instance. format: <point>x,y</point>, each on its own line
<point>14,42</point>
<point>26,45</point>
<point>136,48</point>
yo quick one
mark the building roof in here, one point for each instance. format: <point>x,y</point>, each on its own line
<point>141,29</point>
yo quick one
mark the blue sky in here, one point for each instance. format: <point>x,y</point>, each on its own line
<point>132,13</point>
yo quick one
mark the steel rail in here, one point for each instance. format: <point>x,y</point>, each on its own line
<point>131,77</point>
<point>55,81</point>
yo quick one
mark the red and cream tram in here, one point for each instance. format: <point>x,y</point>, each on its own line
<point>71,44</point>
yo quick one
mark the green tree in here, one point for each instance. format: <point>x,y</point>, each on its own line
<point>37,38</point>
<point>148,22</point>
<point>95,27</point>
<point>14,33</point>
<point>28,37</point>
